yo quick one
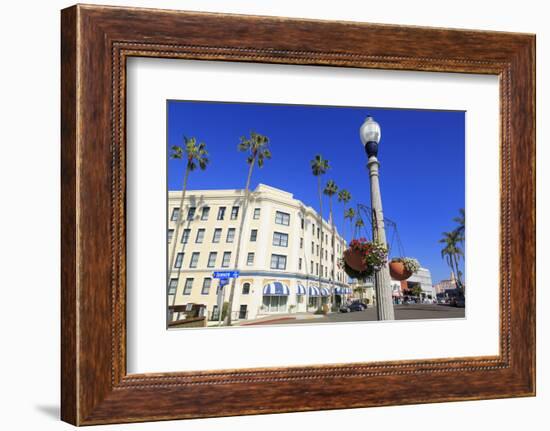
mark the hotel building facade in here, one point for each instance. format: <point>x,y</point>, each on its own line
<point>280,255</point>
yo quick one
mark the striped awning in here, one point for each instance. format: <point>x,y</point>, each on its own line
<point>324,291</point>
<point>276,289</point>
<point>341,290</point>
<point>349,289</point>
<point>313,291</point>
<point>300,290</point>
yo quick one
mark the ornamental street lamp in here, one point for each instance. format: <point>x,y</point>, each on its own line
<point>370,136</point>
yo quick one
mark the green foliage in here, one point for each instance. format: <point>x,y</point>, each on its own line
<point>257,147</point>
<point>416,291</point>
<point>344,196</point>
<point>330,188</point>
<point>195,154</point>
<point>225,309</point>
<point>319,166</point>
<point>349,214</point>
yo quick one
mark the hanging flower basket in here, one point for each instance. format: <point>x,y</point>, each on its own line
<point>363,258</point>
<point>402,268</point>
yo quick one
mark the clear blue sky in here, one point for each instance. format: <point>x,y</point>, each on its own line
<point>421,153</point>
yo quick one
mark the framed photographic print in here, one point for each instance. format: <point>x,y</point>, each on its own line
<point>272,206</point>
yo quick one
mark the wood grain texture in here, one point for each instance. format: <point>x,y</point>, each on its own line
<point>96,41</point>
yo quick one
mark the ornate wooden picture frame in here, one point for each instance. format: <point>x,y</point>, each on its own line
<point>96,42</point>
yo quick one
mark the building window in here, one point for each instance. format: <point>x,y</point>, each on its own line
<point>206,283</point>
<point>316,269</point>
<point>317,249</point>
<point>212,259</point>
<point>226,259</point>
<point>185,236</point>
<point>170,235</point>
<point>172,286</point>
<point>221,213</point>
<point>274,304</point>
<point>282,218</point>
<point>205,213</point>
<point>325,272</point>
<point>175,214</point>
<point>194,260</point>
<point>200,236</point>
<point>188,286</point>
<point>278,261</point>
<point>311,266</point>
<point>191,213</point>
<point>326,255</point>
<point>217,235</point>
<point>250,259</point>
<point>230,235</point>
<point>280,239</point>
<point>300,264</point>
<point>312,247</point>
<point>234,213</point>
<point>256,215</point>
<point>253,235</point>
<point>242,311</point>
<point>179,260</point>
<point>318,232</point>
<point>301,242</point>
<point>302,223</point>
<point>313,229</point>
<point>246,288</point>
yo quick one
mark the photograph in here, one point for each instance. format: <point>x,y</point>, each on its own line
<point>283,214</point>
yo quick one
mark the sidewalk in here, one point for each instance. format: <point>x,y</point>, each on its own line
<point>273,318</point>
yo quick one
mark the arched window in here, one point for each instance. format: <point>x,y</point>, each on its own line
<point>246,288</point>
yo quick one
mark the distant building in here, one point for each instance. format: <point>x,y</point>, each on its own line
<point>279,254</point>
<point>446,288</point>
<point>422,278</point>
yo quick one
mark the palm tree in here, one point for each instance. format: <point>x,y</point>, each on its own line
<point>344,196</point>
<point>319,167</point>
<point>461,220</point>
<point>452,253</point>
<point>330,190</point>
<point>359,223</point>
<point>256,146</point>
<point>350,214</point>
<point>195,155</point>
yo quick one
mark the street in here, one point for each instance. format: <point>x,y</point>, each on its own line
<point>402,312</point>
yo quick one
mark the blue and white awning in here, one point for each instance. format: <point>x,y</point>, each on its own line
<point>300,290</point>
<point>340,290</point>
<point>324,291</point>
<point>276,289</point>
<point>313,291</point>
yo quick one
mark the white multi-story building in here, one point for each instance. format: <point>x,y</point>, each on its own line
<point>279,260</point>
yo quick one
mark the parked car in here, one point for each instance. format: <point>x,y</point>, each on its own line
<point>344,309</point>
<point>362,304</point>
<point>356,306</point>
<point>458,302</point>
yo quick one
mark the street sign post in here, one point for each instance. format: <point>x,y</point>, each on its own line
<point>224,277</point>
<point>222,283</point>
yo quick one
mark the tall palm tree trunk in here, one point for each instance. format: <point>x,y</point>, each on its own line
<point>332,261</point>
<point>239,241</point>
<point>458,280</point>
<point>179,222</point>
<point>321,228</point>
<point>344,225</point>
